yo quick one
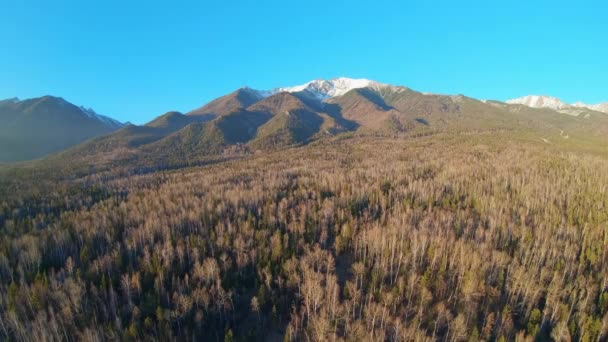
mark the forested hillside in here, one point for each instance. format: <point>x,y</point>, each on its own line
<point>453,237</point>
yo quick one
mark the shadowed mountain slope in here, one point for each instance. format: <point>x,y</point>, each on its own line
<point>132,136</point>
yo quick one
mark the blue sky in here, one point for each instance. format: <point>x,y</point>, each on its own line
<point>134,60</point>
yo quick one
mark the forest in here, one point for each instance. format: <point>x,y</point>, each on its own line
<point>447,237</point>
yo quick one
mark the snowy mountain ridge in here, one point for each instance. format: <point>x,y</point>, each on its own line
<point>324,89</point>
<point>321,89</point>
<point>541,101</point>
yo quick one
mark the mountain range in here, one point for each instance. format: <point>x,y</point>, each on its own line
<point>250,120</point>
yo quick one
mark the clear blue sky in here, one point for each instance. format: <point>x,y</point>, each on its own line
<point>134,60</point>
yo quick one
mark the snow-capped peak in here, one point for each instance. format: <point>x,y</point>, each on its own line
<point>324,89</point>
<point>536,101</point>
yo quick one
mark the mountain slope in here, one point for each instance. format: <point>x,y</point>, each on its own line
<point>364,110</point>
<point>132,136</point>
<point>288,128</point>
<point>395,109</point>
<point>279,103</point>
<point>36,127</point>
<point>199,140</point>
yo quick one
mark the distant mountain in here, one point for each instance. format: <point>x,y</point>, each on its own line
<point>541,101</point>
<point>36,127</point>
<point>536,101</point>
<point>600,107</point>
<point>132,136</point>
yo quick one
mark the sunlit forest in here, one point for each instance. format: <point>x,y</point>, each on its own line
<point>447,237</point>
